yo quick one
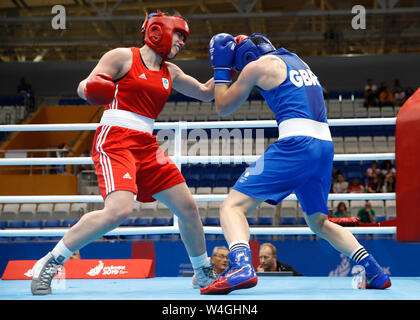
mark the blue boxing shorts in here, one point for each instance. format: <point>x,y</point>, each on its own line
<point>298,164</point>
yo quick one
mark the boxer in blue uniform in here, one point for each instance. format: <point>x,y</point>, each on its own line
<point>300,161</point>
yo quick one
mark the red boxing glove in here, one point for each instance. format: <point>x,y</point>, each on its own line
<point>238,40</point>
<point>240,37</point>
<point>100,90</point>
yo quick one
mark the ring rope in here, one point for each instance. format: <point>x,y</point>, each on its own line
<point>53,232</point>
<point>193,125</point>
<point>184,159</point>
<point>197,197</point>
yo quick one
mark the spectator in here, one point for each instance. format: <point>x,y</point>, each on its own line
<point>335,173</point>
<point>399,97</point>
<point>84,167</point>
<point>380,89</point>
<point>389,184</point>
<point>373,171</point>
<point>396,85</point>
<point>268,261</point>
<point>61,154</point>
<point>386,97</point>
<point>220,259</point>
<point>387,169</point>
<point>355,186</point>
<point>370,85</point>
<point>375,185</point>
<point>370,94</point>
<point>341,211</point>
<point>371,99</point>
<point>341,185</point>
<point>25,90</point>
<point>367,214</point>
<point>62,151</point>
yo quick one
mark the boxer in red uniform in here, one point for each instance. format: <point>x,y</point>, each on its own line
<point>134,84</point>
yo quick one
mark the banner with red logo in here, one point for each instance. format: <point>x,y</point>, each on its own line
<point>86,269</point>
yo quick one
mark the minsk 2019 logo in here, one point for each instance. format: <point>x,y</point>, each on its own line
<point>106,270</point>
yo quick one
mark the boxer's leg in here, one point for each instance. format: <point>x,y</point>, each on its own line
<point>92,225</point>
<point>180,201</point>
<point>240,274</point>
<point>345,242</point>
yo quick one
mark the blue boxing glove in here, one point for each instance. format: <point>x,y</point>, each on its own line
<point>222,53</point>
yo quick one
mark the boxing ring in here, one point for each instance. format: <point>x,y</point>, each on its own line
<point>179,288</point>
<point>179,159</point>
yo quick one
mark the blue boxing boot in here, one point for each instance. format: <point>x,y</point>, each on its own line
<point>376,278</point>
<point>240,274</point>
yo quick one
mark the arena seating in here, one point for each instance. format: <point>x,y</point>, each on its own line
<point>219,178</point>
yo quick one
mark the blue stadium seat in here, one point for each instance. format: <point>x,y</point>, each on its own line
<point>287,220</point>
<point>193,180</point>
<point>364,131</point>
<point>34,224</point>
<point>16,224</point>
<point>223,179</point>
<point>265,221</point>
<point>144,222</point>
<point>196,168</point>
<point>127,222</point>
<point>251,220</point>
<point>212,221</point>
<point>3,224</point>
<point>52,224</point>
<point>159,222</point>
<point>208,176</point>
<point>68,223</point>
<point>301,221</point>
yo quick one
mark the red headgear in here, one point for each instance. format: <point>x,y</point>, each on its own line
<point>158,30</point>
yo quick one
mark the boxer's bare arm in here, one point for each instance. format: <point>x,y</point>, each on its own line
<point>116,63</point>
<point>190,86</point>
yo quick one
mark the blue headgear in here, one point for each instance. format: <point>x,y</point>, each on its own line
<point>251,49</point>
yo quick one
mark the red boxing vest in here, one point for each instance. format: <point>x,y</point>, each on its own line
<point>142,91</point>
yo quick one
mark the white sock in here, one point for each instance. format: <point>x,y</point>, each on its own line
<point>238,244</point>
<point>61,253</point>
<point>358,254</point>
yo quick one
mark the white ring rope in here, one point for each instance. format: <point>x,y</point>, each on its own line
<point>194,125</point>
<point>47,232</point>
<point>184,159</point>
<point>55,232</point>
<point>197,197</point>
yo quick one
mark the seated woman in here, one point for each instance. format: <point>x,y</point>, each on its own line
<point>341,211</point>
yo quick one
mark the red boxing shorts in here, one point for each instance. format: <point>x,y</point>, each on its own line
<point>132,160</point>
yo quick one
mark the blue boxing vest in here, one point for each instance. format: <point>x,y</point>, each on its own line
<point>300,95</point>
